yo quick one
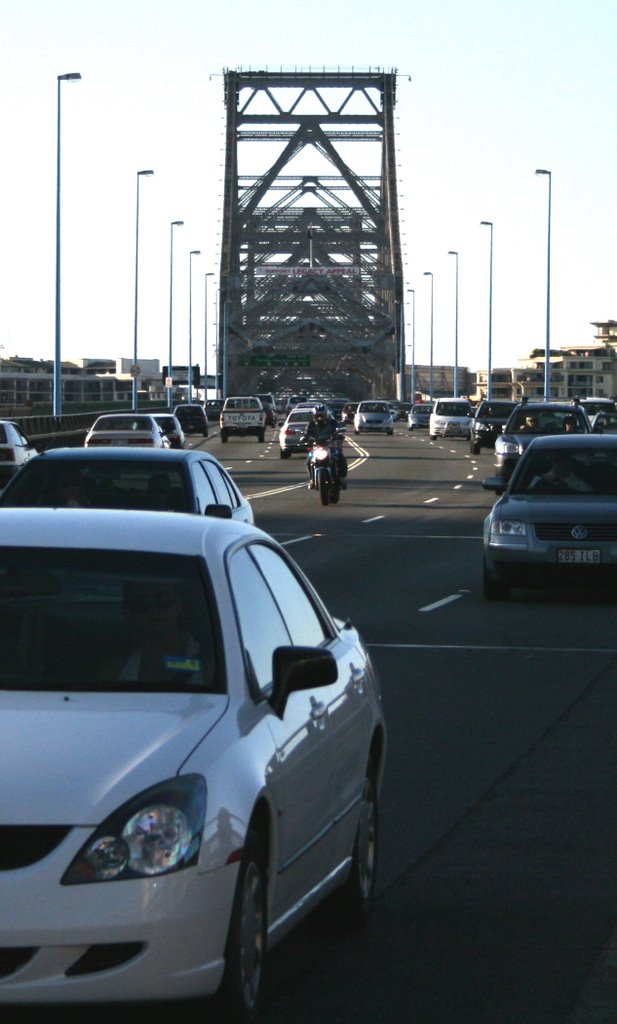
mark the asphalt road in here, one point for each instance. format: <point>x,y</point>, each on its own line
<point>497,896</point>
<point>498,873</point>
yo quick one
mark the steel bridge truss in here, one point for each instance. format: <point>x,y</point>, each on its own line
<point>311,271</point>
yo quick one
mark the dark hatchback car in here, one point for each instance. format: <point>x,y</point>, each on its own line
<point>168,480</point>
<point>192,418</point>
<point>533,419</point>
<point>489,419</point>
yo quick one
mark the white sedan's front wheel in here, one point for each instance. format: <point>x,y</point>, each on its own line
<point>349,906</point>
<point>240,990</point>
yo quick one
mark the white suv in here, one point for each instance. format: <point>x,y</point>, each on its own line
<point>450,417</point>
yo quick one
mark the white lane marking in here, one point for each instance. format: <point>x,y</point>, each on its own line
<point>373,520</point>
<point>457,487</point>
<point>430,500</point>
<point>296,540</point>
<point>440,604</point>
<point>491,647</point>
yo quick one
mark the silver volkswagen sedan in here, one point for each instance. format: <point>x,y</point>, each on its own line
<point>191,750</point>
<point>554,524</point>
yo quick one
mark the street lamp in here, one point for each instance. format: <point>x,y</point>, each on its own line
<point>73,76</point>
<point>428,273</point>
<point>401,349</point>
<point>193,252</point>
<point>135,366</point>
<point>174,224</point>
<point>451,252</point>
<point>489,372</point>
<point>206,276</point>
<point>547,354</point>
<point>413,346</point>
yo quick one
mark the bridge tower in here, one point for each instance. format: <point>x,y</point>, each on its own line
<point>311,280</point>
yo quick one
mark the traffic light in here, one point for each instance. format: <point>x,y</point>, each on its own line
<point>164,374</point>
<point>196,376</point>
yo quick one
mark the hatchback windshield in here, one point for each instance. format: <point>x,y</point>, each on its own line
<point>104,620</point>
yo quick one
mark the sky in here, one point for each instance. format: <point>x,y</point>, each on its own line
<point>487,92</point>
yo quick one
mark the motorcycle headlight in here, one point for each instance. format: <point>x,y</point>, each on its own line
<point>155,833</point>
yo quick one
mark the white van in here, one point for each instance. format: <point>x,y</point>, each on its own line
<point>450,417</point>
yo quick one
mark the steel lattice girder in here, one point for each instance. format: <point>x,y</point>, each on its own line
<point>311,257</point>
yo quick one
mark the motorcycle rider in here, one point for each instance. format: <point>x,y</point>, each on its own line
<point>322,429</point>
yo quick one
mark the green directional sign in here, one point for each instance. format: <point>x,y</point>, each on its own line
<point>274,359</point>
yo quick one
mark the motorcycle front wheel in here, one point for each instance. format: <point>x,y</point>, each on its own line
<point>324,487</point>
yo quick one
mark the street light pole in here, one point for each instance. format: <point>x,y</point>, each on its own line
<point>413,346</point>
<point>489,372</point>
<point>174,224</point>
<point>452,252</point>
<point>135,367</point>
<point>547,352</point>
<point>209,274</point>
<point>401,349</point>
<point>193,252</point>
<point>428,273</point>
<point>73,76</point>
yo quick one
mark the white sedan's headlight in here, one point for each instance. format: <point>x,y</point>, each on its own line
<point>508,528</point>
<point>157,832</point>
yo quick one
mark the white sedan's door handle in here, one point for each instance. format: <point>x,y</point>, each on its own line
<point>318,710</point>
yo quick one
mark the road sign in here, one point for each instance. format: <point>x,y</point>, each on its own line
<point>135,370</point>
<point>272,359</point>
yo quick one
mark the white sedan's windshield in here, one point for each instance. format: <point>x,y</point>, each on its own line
<point>102,620</point>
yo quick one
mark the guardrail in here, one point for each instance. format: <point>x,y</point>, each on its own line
<point>61,431</point>
<point>56,431</point>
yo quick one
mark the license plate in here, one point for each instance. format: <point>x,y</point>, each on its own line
<point>576,556</point>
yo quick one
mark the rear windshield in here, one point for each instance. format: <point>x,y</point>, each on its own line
<point>123,423</point>
<point>242,403</point>
<point>104,620</point>
<point>373,407</point>
<point>452,409</point>
<point>496,410</point>
<point>113,484</point>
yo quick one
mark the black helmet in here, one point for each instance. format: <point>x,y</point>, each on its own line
<point>320,412</point>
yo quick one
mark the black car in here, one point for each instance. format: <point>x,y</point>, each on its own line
<point>488,421</point>
<point>531,419</point>
<point>166,480</point>
<point>192,417</point>
<point>213,409</point>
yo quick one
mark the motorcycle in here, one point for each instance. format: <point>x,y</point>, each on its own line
<point>324,467</point>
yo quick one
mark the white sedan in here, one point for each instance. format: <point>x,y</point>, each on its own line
<point>191,751</point>
<point>15,450</point>
<point>126,430</point>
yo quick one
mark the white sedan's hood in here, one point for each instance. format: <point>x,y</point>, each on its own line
<point>72,759</point>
